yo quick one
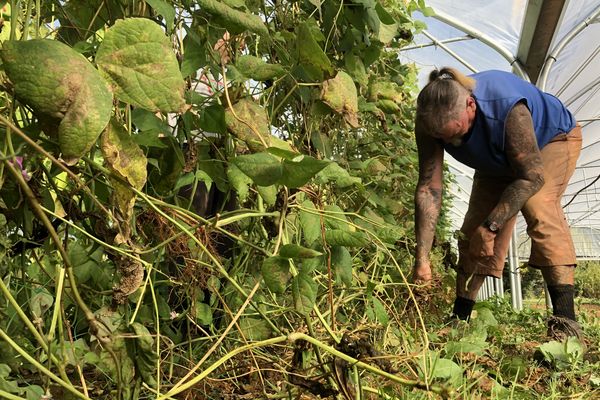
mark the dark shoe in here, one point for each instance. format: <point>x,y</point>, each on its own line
<point>560,328</point>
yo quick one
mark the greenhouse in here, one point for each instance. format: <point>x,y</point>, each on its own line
<point>245,199</point>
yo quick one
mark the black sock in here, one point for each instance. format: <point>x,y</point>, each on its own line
<point>562,300</point>
<point>463,307</point>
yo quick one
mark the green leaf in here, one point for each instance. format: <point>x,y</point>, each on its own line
<point>5,384</point>
<point>203,313</point>
<point>34,392</point>
<point>268,194</point>
<point>428,11</point>
<point>340,94</point>
<point>276,273</point>
<point>239,181</point>
<point>166,10</point>
<point>145,353</point>
<point>304,291</point>
<point>380,312</point>
<point>341,262</point>
<point>322,143</point>
<point>563,355</point>
<point>338,237</point>
<point>465,346</point>
<point>446,370</point>
<point>297,251</point>
<point>147,121</point>
<point>388,27</point>
<point>310,222</point>
<point>137,59</point>
<point>262,168</point>
<point>356,68</point>
<point>194,54</point>
<point>233,19</point>
<point>256,68</point>
<point>335,218</point>
<point>310,55</point>
<point>84,266</point>
<point>298,172</point>
<point>334,173</point>
<point>212,119</point>
<point>255,329</point>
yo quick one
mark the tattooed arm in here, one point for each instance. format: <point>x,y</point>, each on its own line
<point>525,160</point>
<point>428,199</point>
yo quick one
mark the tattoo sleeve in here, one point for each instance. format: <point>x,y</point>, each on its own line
<point>525,159</point>
<point>428,194</point>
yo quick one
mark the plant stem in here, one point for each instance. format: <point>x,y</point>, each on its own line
<point>40,367</point>
<point>37,209</point>
<point>292,338</point>
<point>218,342</point>
<point>31,328</point>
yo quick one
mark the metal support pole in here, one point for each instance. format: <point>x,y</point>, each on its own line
<point>515,274</point>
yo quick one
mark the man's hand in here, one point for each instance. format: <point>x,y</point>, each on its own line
<point>482,243</point>
<point>421,272</point>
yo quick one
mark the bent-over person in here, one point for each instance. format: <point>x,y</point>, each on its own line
<point>523,145</point>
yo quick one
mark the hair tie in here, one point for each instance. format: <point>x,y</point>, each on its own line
<point>445,75</point>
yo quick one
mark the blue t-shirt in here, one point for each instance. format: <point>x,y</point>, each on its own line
<point>496,93</point>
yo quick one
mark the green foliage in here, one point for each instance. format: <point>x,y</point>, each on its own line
<point>587,279</point>
<point>255,180</point>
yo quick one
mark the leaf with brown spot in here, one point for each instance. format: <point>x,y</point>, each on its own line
<point>125,158</point>
<point>137,59</point>
<point>248,121</point>
<point>339,93</point>
<point>65,91</point>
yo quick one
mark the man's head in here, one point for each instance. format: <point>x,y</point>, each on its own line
<point>445,105</point>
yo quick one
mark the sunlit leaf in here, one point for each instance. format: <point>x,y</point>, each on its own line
<point>248,121</point>
<point>340,94</point>
<point>137,59</point>
<point>234,19</point>
<point>66,92</point>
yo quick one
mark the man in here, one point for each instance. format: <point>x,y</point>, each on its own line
<point>523,144</point>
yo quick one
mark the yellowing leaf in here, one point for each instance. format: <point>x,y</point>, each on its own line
<point>247,121</point>
<point>339,93</point>
<point>125,158</point>
<point>137,59</point>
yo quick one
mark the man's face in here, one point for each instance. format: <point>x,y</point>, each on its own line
<point>455,130</point>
